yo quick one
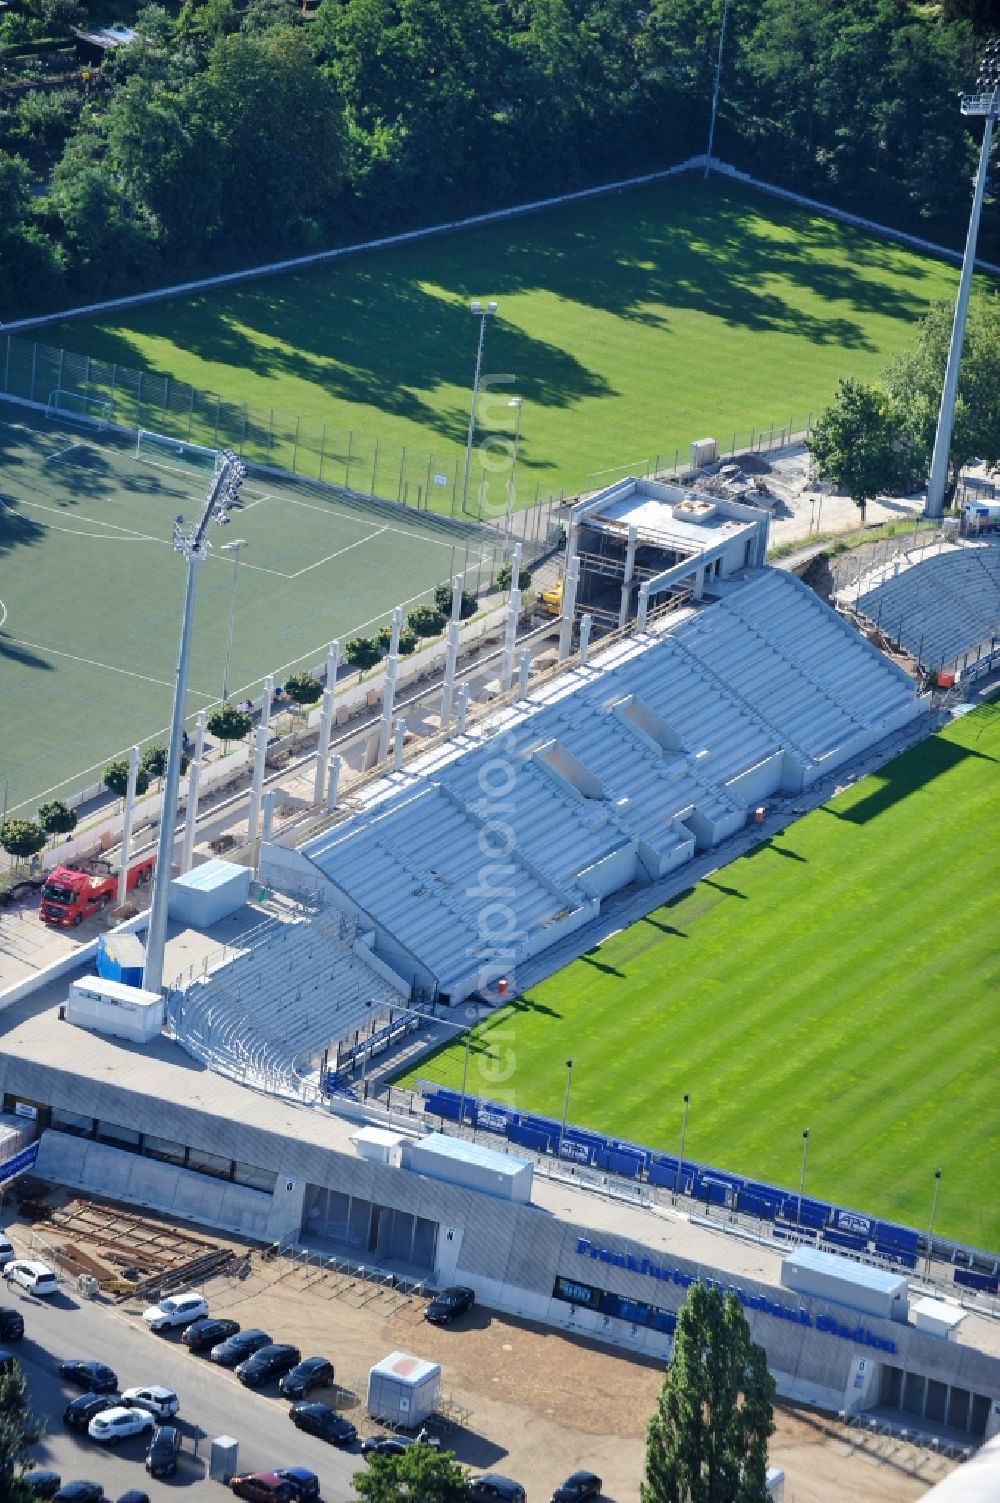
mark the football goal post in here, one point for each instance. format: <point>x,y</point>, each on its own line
<point>175,453</point>
<point>75,407</point>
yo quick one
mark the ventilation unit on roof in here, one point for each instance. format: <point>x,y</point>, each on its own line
<point>695,511</point>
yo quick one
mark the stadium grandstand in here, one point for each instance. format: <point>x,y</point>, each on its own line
<point>944,611</point>
<point>612,773</point>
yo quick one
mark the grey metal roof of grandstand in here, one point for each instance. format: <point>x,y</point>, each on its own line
<point>943,608</point>
<point>656,744</point>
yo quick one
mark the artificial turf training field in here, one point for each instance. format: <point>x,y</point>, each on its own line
<point>629,325</point>
<point>844,977</point>
<point>91,593</point>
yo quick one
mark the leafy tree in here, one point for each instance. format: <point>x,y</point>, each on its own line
<point>229,724</point>
<point>419,1473</point>
<point>408,642</point>
<point>19,1430</point>
<point>442,599</point>
<point>707,1439</point>
<point>154,760</point>
<point>913,382</point>
<point>426,620</point>
<point>21,838</point>
<point>362,653</point>
<point>303,688</point>
<point>506,574</point>
<point>56,818</point>
<point>852,444</point>
<point>116,777</point>
<point>32,264</point>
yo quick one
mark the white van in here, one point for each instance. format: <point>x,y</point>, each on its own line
<point>37,1278</point>
<point>7,1253</point>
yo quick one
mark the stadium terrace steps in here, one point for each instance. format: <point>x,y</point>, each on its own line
<point>940,608</point>
<point>610,775</point>
<point>302,988</point>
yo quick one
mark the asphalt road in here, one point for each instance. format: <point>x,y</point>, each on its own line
<point>212,1402</point>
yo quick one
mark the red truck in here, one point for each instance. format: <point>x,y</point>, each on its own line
<point>72,893</point>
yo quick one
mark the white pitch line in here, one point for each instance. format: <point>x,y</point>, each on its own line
<point>339,554</point>
<point>73,657</point>
<point>3,617</point>
<point>352,517</point>
<point>54,458</point>
<point>132,535</point>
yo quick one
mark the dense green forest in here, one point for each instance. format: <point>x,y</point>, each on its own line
<point>227,133</point>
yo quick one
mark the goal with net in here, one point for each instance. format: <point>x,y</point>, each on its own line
<point>174,453</point>
<point>76,407</point>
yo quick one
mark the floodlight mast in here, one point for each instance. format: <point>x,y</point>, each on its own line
<point>193,546</point>
<point>985,102</point>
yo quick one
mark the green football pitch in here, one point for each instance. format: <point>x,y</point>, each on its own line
<point>843,978</point>
<point>629,325</point>
<point>91,591</point>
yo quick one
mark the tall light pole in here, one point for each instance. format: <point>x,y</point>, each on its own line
<point>985,102</point>
<point>680,1157</point>
<point>235,548</point>
<point>562,1127</point>
<point>514,402</point>
<point>930,1230</point>
<point>482,311</point>
<point>802,1175</point>
<point>715,90</point>
<point>193,546</point>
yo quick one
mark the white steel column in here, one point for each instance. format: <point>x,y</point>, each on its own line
<point>270,799</point>
<point>451,659</point>
<point>513,612</point>
<point>333,782</point>
<point>326,720</point>
<point>194,778</point>
<point>133,773</point>
<point>640,621</point>
<point>568,606</point>
<point>256,786</point>
<point>389,691</point>
<point>400,737</point>
<point>586,627</point>
<point>265,714</point>
<point>463,708</point>
<point>633,538</point>
<point>522,683</point>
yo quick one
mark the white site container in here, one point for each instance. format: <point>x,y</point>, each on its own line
<point>938,1317</point>
<point>404,1390</point>
<point>842,1281</point>
<point>125,1012</point>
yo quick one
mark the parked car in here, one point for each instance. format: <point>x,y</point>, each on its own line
<point>7,1255</point>
<point>79,1412</point>
<point>579,1486</point>
<point>11,1325</point>
<point>97,1377</point>
<point>133,1495</point>
<point>267,1362</point>
<point>327,1424</point>
<point>119,1424</point>
<point>236,1348</point>
<point>28,1273</point>
<point>492,1488</point>
<point>449,1304</point>
<point>262,1487</point>
<point>305,1484</point>
<point>79,1492</point>
<point>175,1310</point>
<point>395,1445</point>
<point>162,1403</point>
<point>42,1484</point>
<point>161,1457</point>
<point>205,1333</point>
<point>313,1372</point>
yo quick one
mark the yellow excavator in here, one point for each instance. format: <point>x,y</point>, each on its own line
<point>550,601</point>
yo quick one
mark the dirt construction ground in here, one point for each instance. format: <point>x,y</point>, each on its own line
<point>536,1405</point>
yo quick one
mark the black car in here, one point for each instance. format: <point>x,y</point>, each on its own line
<point>236,1348</point>
<point>576,1488</point>
<point>305,1484</point>
<point>79,1412</point>
<point>313,1372</point>
<point>267,1362</point>
<point>449,1304</point>
<point>395,1445</point>
<point>161,1457</point>
<point>133,1495</point>
<point>205,1333</point>
<point>11,1325</point>
<point>490,1487</point>
<point>98,1377</point>
<point>42,1484</point>
<point>317,1419</point>
<point>79,1492</point>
